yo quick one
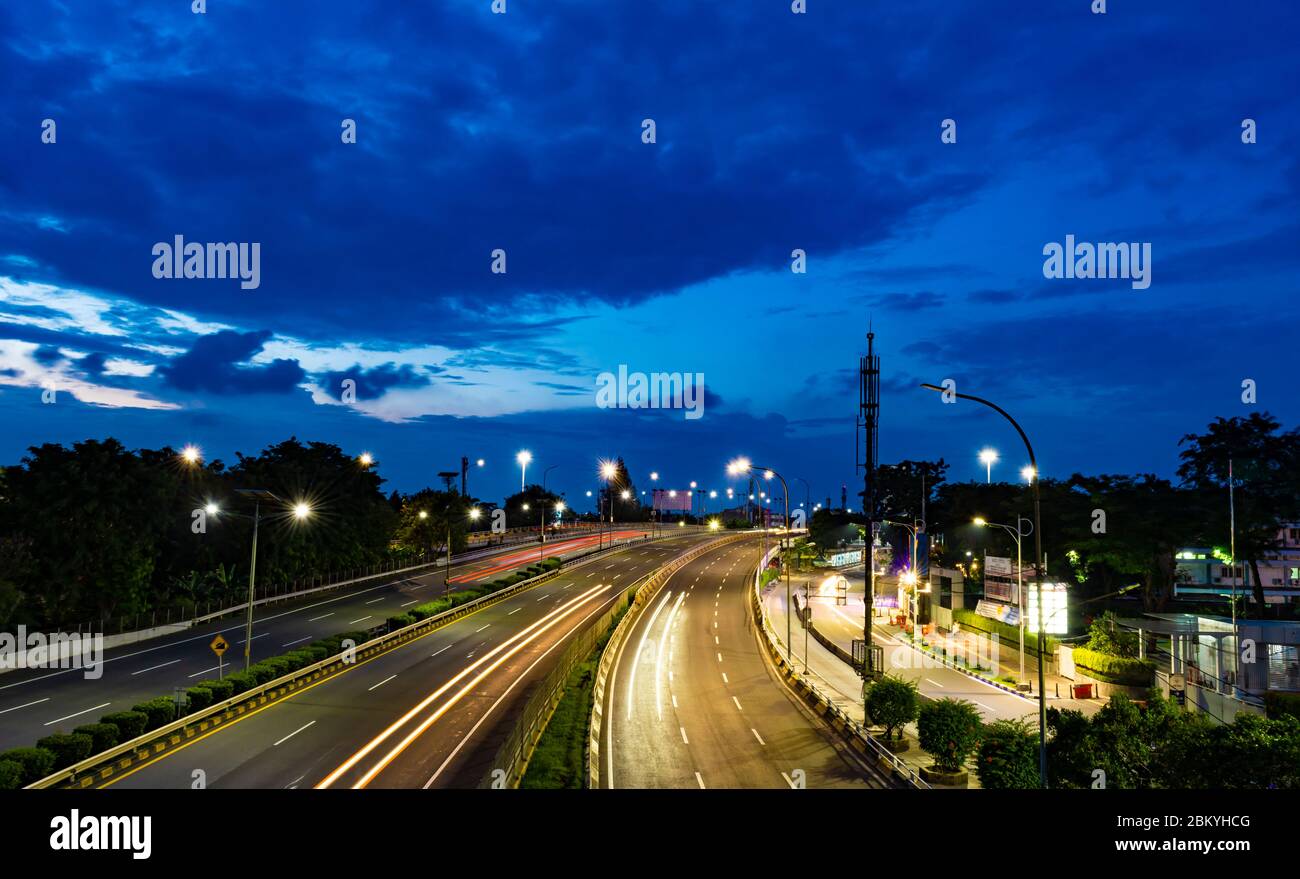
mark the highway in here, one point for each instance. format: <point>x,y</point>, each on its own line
<point>38,702</point>
<point>431,713</point>
<point>693,702</point>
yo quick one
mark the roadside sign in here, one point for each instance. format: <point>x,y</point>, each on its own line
<point>219,645</point>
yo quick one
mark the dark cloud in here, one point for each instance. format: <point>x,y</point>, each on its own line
<point>218,364</point>
<point>373,383</point>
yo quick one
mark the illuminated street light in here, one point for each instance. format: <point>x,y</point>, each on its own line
<point>524,458</point>
<point>212,509</point>
<point>654,476</point>
<point>301,510</point>
<point>1027,473</point>
<point>479,462</point>
<point>424,514</point>
<point>366,459</point>
<point>191,454</point>
<point>988,457</point>
<point>475,512</point>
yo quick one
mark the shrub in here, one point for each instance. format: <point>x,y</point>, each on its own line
<point>892,702</point>
<point>221,690</point>
<point>199,698</point>
<point>1106,636</point>
<point>275,667</point>
<point>400,621</point>
<point>552,563</point>
<point>66,748</point>
<point>159,712</point>
<point>1115,669</point>
<point>102,736</point>
<point>1008,634</point>
<point>240,682</point>
<point>949,730</point>
<point>130,724</point>
<point>1008,756</point>
<point>11,775</point>
<point>35,763</point>
<point>1278,704</point>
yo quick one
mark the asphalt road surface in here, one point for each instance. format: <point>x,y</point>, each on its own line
<point>693,702</point>
<point>38,702</point>
<point>431,713</point>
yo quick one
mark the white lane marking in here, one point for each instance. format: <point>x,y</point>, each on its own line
<point>362,620</point>
<point>436,652</point>
<point>640,648</point>
<point>476,631</point>
<point>409,603</point>
<point>699,779</point>
<point>719,657</point>
<point>544,597</point>
<point>757,736</point>
<point>737,701</point>
<point>659,655</point>
<point>321,617</point>
<point>789,780</point>
<point>28,705</point>
<point>205,671</point>
<point>381,683</point>
<point>374,600</point>
<point>255,637</point>
<point>291,735</point>
<point>982,705</point>
<point>936,683</point>
<point>152,667</point>
<point>78,714</point>
<point>674,700</point>
<point>724,678</point>
<point>515,611</point>
<point>685,741</point>
<point>299,641</point>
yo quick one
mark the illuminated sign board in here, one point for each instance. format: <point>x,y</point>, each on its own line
<point>840,559</point>
<point>1055,618</point>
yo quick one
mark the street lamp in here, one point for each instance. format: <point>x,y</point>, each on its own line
<point>988,457</point>
<point>745,466</point>
<point>1016,533</point>
<point>259,496</point>
<point>1038,572</point>
<point>608,470</point>
<point>1027,473</point>
<point>524,458</point>
<point>191,454</point>
<point>541,513</point>
<point>365,459</point>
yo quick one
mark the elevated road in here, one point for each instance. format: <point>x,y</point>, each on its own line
<point>693,702</point>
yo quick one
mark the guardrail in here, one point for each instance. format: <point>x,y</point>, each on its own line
<point>857,735</point>
<point>128,755</point>
<point>640,599</point>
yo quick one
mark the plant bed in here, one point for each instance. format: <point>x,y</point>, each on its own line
<point>934,775</point>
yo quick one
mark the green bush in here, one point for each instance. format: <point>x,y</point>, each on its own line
<point>130,724</point>
<point>1008,634</point>
<point>1115,669</point>
<point>1278,704</point>
<point>240,682</point>
<point>552,563</point>
<point>275,667</point>
<point>36,763</point>
<point>891,703</point>
<point>159,712</point>
<point>199,698</point>
<point>949,731</point>
<point>1008,756</point>
<point>66,748</point>
<point>400,621</point>
<point>221,690</point>
<point>102,735</point>
<point>11,775</point>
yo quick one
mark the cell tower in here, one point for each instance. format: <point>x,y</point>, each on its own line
<point>868,423</point>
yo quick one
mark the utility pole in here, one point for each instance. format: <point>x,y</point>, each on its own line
<point>868,419</point>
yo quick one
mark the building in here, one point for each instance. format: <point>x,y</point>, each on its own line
<point>1205,573</point>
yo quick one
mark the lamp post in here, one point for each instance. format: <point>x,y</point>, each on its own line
<point>258,496</point>
<point>1016,533</point>
<point>541,513</point>
<point>743,465</point>
<point>524,458</point>
<point>988,457</point>
<point>608,470</point>
<point>1038,571</point>
<point>915,577</point>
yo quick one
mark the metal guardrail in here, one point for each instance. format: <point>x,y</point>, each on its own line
<point>649,587</point>
<point>855,733</point>
<point>106,764</point>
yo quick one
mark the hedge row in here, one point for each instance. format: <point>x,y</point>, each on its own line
<point>1115,669</point>
<point>1006,633</point>
<point>22,766</point>
<point>1278,704</point>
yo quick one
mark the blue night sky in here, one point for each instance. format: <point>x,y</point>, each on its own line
<point>523,131</point>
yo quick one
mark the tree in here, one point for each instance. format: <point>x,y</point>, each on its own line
<point>534,498</point>
<point>428,516</point>
<point>1008,756</point>
<point>1266,469</point>
<point>892,703</point>
<point>898,488</point>
<point>949,731</point>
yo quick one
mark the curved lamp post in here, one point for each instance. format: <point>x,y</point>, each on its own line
<point>1038,572</point>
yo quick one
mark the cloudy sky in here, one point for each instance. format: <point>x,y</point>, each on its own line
<point>524,132</point>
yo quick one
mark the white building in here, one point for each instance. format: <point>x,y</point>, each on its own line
<point>1204,573</point>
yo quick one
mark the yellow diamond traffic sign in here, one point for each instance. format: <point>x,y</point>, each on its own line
<point>219,645</point>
